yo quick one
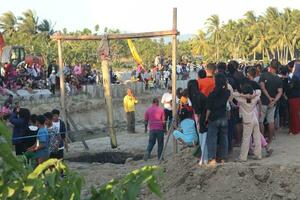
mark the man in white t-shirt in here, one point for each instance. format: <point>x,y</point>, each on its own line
<point>166,100</point>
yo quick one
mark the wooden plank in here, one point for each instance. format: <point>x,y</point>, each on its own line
<point>116,36</point>
<point>174,77</point>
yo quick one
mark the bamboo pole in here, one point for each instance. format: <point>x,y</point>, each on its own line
<point>108,100</point>
<point>62,83</point>
<point>117,36</point>
<point>174,78</point>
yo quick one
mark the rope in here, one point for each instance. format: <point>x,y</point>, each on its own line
<point>173,122</point>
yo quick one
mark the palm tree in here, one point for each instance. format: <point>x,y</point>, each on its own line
<point>260,38</point>
<point>8,23</point>
<point>214,31</point>
<point>29,22</point>
<point>294,32</point>
<point>199,44</point>
<point>46,27</point>
<point>250,22</point>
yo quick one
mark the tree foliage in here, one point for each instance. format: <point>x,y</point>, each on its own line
<point>273,34</point>
<point>53,180</point>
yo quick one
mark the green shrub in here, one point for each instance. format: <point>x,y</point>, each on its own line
<point>53,180</point>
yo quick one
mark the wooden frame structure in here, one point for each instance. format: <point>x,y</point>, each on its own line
<point>104,65</point>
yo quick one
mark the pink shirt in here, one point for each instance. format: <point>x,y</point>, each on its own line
<point>155,117</point>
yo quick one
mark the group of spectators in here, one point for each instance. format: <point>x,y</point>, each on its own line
<point>159,76</point>
<point>75,77</point>
<point>239,106</point>
<point>38,137</point>
<point>24,76</point>
<point>34,76</point>
<point>229,105</point>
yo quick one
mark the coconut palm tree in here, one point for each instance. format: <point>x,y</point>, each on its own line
<point>260,38</point>
<point>250,21</point>
<point>214,31</point>
<point>294,32</point>
<point>46,27</point>
<point>199,44</point>
<point>28,22</point>
<point>8,22</point>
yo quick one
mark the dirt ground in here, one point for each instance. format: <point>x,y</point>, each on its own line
<point>276,177</point>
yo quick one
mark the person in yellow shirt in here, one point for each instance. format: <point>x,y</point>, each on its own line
<point>129,107</point>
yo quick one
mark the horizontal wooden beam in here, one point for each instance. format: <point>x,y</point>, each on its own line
<point>116,36</point>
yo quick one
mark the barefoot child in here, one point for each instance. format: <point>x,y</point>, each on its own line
<point>248,100</point>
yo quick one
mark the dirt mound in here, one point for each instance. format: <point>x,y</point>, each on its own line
<point>183,179</point>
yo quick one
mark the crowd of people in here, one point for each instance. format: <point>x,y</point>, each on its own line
<point>75,77</point>
<point>159,76</point>
<point>24,76</point>
<point>34,76</point>
<point>38,137</point>
<point>229,105</point>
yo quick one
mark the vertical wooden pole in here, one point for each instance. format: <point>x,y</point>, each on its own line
<point>62,83</point>
<point>108,100</point>
<point>174,78</point>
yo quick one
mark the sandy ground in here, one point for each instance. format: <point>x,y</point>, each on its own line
<point>276,177</point>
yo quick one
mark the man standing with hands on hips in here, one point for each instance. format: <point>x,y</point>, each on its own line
<point>129,107</point>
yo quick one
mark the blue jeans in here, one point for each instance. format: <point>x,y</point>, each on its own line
<point>189,139</point>
<point>153,136</point>
<point>217,135</point>
<point>231,130</point>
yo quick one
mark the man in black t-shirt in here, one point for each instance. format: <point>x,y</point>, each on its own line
<point>271,87</point>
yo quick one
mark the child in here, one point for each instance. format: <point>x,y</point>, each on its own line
<point>185,102</point>
<point>188,133</point>
<point>248,101</point>
<point>55,139</point>
<point>41,147</point>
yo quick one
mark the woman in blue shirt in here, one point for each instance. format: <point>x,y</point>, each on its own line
<point>188,132</point>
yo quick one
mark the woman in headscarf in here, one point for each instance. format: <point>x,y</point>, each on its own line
<point>293,94</point>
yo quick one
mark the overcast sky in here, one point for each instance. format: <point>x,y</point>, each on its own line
<point>139,15</point>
